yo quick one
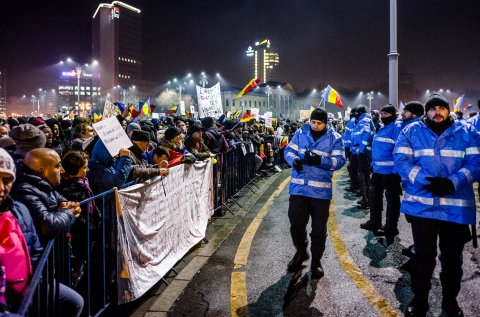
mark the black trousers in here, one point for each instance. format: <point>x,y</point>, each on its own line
<point>390,184</point>
<point>352,172</point>
<point>452,238</point>
<point>300,209</point>
<point>363,173</point>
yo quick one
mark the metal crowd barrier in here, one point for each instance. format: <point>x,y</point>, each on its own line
<point>94,276</point>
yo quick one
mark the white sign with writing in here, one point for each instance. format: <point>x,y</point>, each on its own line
<point>109,110</point>
<point>209,101</point>
<point>157,225</point>
<point>155,115</point>
<point>112,135</point>
<point>304,114</point>
<point>268,114</point>
<point>268,122</point>
<point>182,108</point>
<point>255,112</point>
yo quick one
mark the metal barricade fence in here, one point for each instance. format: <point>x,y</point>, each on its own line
<point>92,272</point>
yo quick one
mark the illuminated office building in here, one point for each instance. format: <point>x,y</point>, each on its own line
<point>265,60</point>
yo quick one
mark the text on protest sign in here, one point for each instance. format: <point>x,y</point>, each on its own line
<point>112,135</point>
<point>209,101</point>
<point>109,110</point>
<point>268,122</point>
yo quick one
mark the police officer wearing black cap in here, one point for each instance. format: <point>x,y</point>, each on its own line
<point>438,160</point>
<point>315,152</point>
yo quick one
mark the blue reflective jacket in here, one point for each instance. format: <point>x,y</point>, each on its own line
<point>347,134</point>
<point>382,148</point>
<point>362,135</point>
<point>315,181</point>
<point>475,121</point>
<point>420,153</point>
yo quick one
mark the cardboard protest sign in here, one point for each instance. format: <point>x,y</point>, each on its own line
<point>112,135</point>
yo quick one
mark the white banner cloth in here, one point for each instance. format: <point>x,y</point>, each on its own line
<point>159,221</point>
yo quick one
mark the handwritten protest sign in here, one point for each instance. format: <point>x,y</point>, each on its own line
<point>109,110</point>
<point>255,112</point>
<point>304,114</point>
<point>209,101</point>
<point>112,135</point>
<point>157,226</point>
<point>268,122</point>
<point>268,114</point>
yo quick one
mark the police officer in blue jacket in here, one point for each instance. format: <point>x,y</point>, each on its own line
<point>383,178</point>
<point>438,160</point>
<point>412,112</point>
<point>315,152</point>
<point>362,151</point>
<point>347,141</point>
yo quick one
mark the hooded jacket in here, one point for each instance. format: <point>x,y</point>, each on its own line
<point>347,134</point>
<point>455,154</point>
<point>315,181</point>
<point>362,135</point>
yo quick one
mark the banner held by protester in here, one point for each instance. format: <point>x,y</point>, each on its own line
<point>157,226</point>
<point>209,101</point>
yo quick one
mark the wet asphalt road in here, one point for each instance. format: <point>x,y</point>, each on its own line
<point>378,274</point>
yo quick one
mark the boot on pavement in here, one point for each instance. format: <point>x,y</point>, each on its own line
<point>451,308</point>
<point>296,263</point>
<point>371,226</point>
<point>317,269</point>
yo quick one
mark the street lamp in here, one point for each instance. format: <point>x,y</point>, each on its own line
<point>79,69</point>
<point>370,98</point>
<point>33,99</point>
<point>268,92</point>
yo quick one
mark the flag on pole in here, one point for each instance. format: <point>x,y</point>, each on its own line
<point>458,103</point>
<point>120,106</point>
<point>97,117</point>
<point>251,84</point>
<point>467,106</point>
<point>145,108</point>
<point>332,96</point>
<point>172,110</point>
<point>247,118</point>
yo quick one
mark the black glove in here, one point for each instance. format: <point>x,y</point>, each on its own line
<point>312,158</point>
<point>189,159</point>
<point>297,165</point>
<point>439,186</point>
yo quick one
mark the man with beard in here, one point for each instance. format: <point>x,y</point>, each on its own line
<point>438,160</point>
<point>383,178</point>
<point>412,112</point>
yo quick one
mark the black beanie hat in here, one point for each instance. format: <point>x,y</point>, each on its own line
<point>208,122</point>
<point>140,135</point>
<point>436,100</point>
<point>415,107</point>
<point>172,132</point>
<point>360,109</point>
<point>319,114</point>
<point>389,109</point>
<point>194,128</point>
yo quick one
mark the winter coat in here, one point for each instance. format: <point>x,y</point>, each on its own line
<point>347,134</point>
<point>455,154</point>
<point>24,219</point>
<point>201,152</point>
<point>475,121</point>
<point>42,200</point>
<point>112,172</point>
<point>382,148</point>
<point>315,181</point>
<point>362,135</point>
<point>141,170</point>
<point>214,140</point>
<point>78,189</point>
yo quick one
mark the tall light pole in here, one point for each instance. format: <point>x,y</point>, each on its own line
<point>370,98</point>
<point>33,99</point>
<point>393,57</point>
<point>268,92</point>
<point>203,79</point>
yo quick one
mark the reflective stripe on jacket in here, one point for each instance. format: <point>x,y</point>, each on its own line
<point>420,153</point>
<point>382,148</point>
<point>315,181</point>
<point>347,134</point>
<point>362,135</point>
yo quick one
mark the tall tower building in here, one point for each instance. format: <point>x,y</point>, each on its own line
<point>117,45</point>
<point>265,60</point>
<point>3,92</point>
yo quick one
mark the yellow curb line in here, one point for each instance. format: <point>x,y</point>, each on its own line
<point>238,286</point>
<point>365,287</point>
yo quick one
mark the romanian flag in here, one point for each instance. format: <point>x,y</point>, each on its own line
<point>251,84</point>
<point>284,142</point>
<point>97,117</point>
<point>458,103</point>
<point>134,112</point>
<point>310,108</point>
<point>172,110</point>
<point>236,114</point>
<point>467,106</point>
<point>120,106</point>
<point>145,108</point>
<point>247,118</point>
<point>332,96</point>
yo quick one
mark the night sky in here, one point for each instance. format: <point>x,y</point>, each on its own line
<point>342,43</point>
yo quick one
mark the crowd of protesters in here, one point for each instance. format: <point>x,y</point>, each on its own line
<point>47,166</point>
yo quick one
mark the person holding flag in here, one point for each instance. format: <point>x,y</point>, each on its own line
<point>314,152</point>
